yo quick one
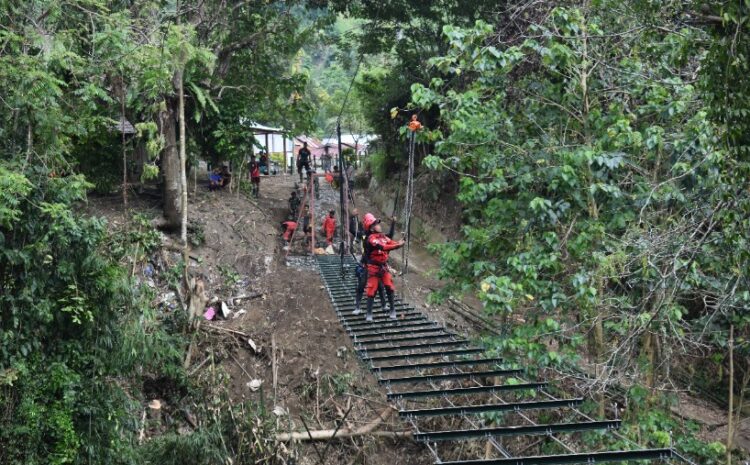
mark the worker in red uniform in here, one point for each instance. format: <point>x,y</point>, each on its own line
<point>414,124</point>
<point>361,270</point>
<point>377,247</point>
<point>329,226</point>
<point>288,226</point>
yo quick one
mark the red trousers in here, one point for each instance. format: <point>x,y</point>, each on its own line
<point>329,235</point>
<point>376,274</point>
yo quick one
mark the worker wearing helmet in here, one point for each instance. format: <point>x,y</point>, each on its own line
<point>377,248</point>
<point>361,271</point>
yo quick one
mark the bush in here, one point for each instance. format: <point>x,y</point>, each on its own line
<point>72,331</point>
<point>377,164</point>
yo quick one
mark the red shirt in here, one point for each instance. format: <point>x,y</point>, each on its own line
<point>379,245</point>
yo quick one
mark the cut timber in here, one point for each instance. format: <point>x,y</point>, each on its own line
<point>226,330</point>
<point>328,434</point>
<point>154,410</point>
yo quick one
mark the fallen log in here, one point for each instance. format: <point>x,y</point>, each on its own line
<point>328,434</point>
<point>226,330</point>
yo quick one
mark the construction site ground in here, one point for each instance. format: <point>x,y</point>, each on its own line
<point>281,305</point>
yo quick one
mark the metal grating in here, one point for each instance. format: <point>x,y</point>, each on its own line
<point>416,344</point>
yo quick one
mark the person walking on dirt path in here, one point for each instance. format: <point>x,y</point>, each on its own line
<point>303,161</point>
<point>307,225</point>
<point>377,248</point>
<point>329,226</point>
<point>255,177</point>
<point>326,159</point>
<point>294,204</point>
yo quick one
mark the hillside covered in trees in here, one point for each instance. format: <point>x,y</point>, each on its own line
<point>598,153</point>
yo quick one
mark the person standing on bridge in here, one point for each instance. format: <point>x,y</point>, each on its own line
<point>361,270</point>
<point>303,161</point>
<point>377,248</point>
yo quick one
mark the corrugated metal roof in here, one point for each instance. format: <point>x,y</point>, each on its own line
<point>124,126</point>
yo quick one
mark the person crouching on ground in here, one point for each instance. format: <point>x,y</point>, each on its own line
<point>377,247</point>
<point>226,176</point>
<point>329,226</point>
<point>214,179</point>
<point>288,227</point>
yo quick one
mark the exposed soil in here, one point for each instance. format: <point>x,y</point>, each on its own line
<point>319,378</point>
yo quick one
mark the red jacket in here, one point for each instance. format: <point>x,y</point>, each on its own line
<point>378,246</point>
<point>329,224</point>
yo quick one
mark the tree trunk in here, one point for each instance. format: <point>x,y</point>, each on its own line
<point>170,165</point>
<point>183,161</point>
<point>730,426</point>
<point>124,148</point>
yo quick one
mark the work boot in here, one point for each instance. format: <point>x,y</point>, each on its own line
<point>392,306</point>
<point>370,301</point>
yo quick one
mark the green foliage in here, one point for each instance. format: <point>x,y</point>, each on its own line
<point>377,164</point>
<point>604,193</point>
<point>70,327</point>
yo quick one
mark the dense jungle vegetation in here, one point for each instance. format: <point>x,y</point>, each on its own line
<point>601,151</point>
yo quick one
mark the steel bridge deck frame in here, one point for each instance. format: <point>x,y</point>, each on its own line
<point>417,348</point>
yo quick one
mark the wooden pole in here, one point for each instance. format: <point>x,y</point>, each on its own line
<point>124,150</point>
<point>284,144</point>
<point>268,156</point>
<point>311,192</point>
<point>730,426</point>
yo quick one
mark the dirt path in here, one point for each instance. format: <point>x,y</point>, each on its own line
<point>318,375</point>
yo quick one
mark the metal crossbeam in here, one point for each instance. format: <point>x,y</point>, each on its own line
<point>484,408</point>
<point>415,337</point>
<point>444,376</point>
<point>524,430</point>
<point>376,315</point>
<point>465,390</point>
<point>390,340</point>
<point>457,342</point>
<point>446,364</point>
<point>414,355</point>
<point>411,329</point>
<point>572,459</point>
<point>421,319</point>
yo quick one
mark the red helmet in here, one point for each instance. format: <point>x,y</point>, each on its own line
<point>369,221</point>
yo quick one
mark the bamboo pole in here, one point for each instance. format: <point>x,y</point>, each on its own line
<point>730,426</point>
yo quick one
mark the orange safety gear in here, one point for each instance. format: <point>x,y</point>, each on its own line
<point>414,124</point>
